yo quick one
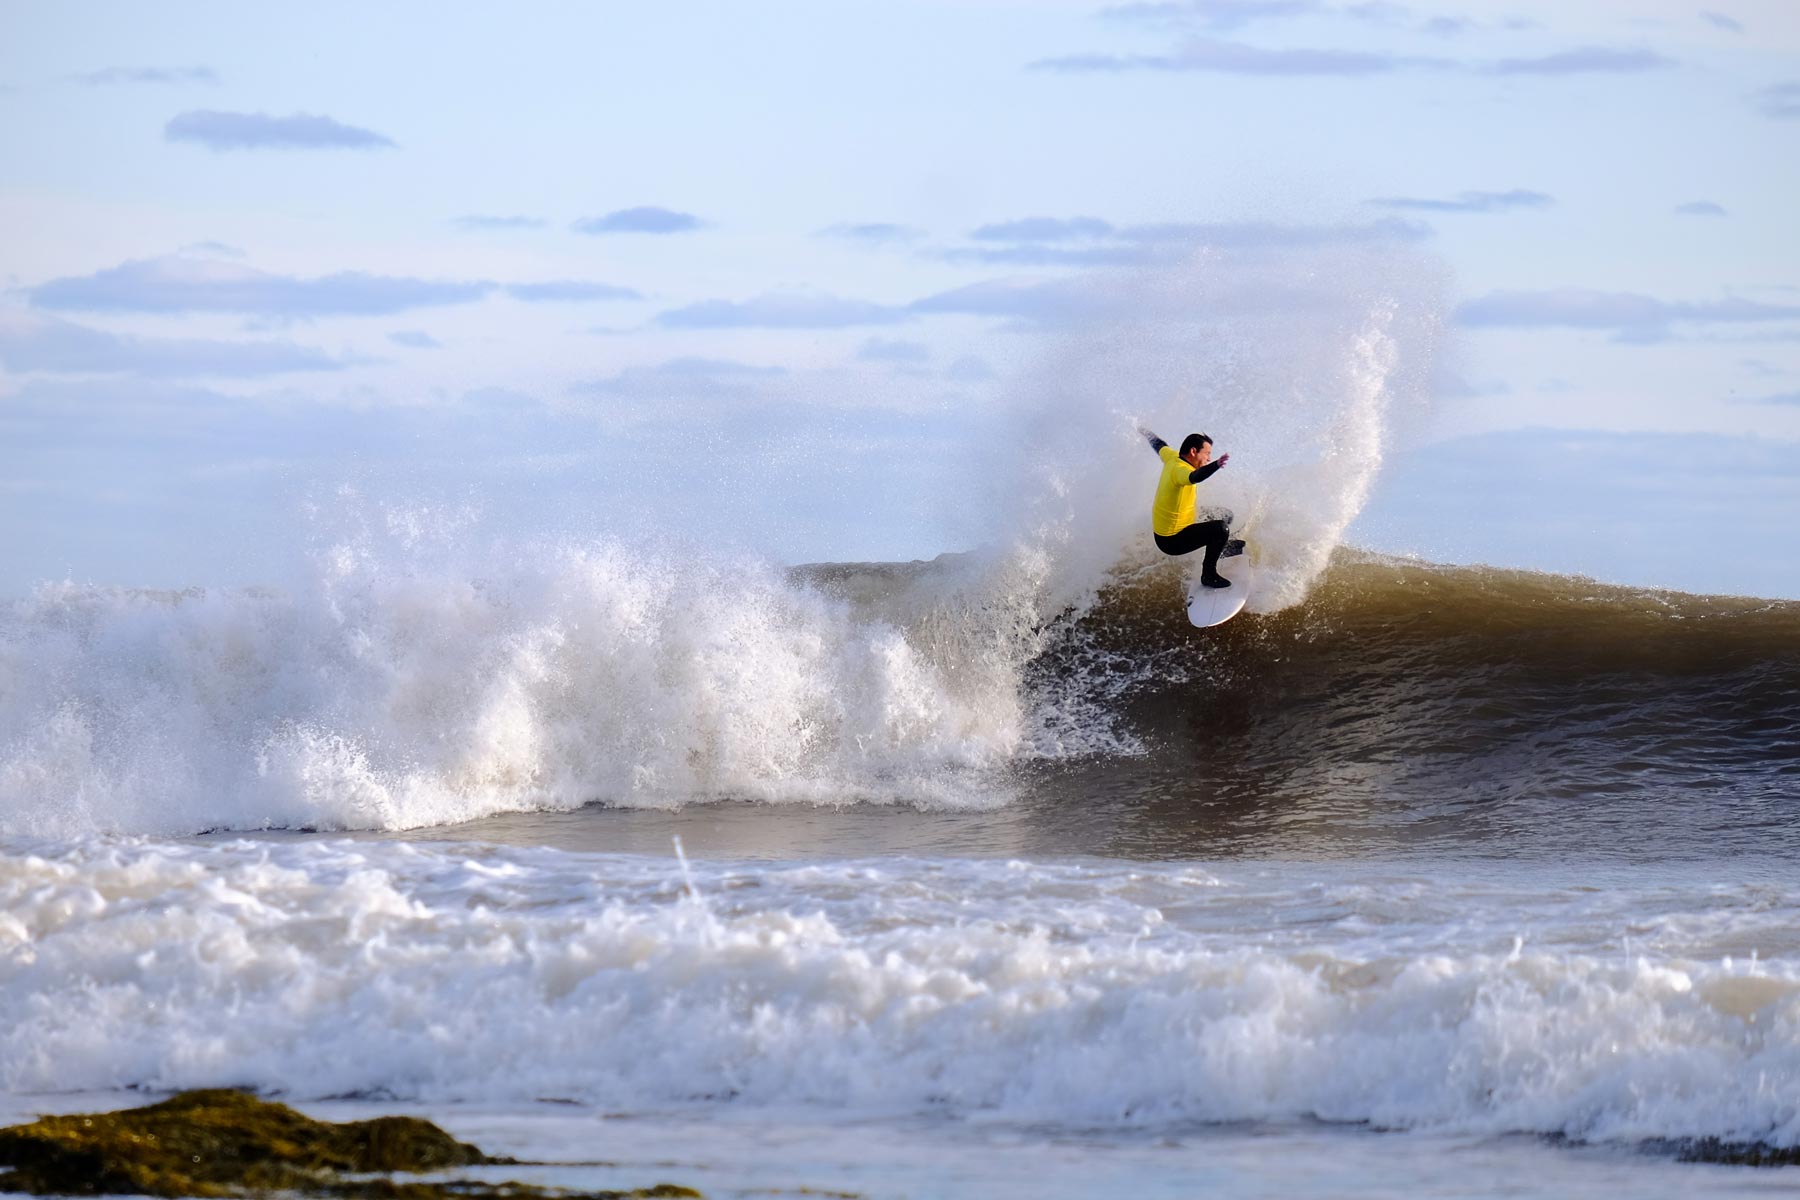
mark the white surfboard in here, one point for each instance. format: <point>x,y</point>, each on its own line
<point>1215,606</point>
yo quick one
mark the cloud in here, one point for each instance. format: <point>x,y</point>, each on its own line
<point>113,75</point>
<point>1584,60</point>
<point>212,249</point>
<point>30,342</point>
<point>180,283</point>
<point>782,310</point>
<point>1136,245</point>
<point>1201,53</point>
<point>1721,21</point>
<point>707,376</point>
<point>639,220</point>
<point>1038,301</point>
<point>1447,26</point>
<point>1225,16</point>
<point>1044,229</point>
<point>1221,15</point>
<point>1781,101</point>
<point>1631,317</point>
<point>1700,208</point>
<point>970,368</point>
<point>1789,399</point>
<point>713,368</point>
<point>417,339</point>
<point>1035,255</point>
<point>1767,337</point>
<point>477,222</point>
<point>1237,58</point>
<point>570,290</point>
<point>1469,202</point>
<point>1041,302</point>
<point>882,350</point>
<point>875,233</point>
<point>221,131</point>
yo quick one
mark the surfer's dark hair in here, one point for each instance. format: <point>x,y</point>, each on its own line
<point>1194,441</point>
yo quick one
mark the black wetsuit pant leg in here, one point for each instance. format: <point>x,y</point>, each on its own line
<point>1210,534</point>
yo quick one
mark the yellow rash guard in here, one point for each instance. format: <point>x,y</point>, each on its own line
<point>1173,509</point>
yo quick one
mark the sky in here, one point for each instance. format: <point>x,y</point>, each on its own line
<point>777,273</point>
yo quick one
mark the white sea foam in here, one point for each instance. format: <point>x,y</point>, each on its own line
<point>1082,995</point>
<point>394,696</point>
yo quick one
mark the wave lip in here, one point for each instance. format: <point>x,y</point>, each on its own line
<point>1080,996</point>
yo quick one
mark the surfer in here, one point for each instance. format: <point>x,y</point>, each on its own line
<point>1173,520</point>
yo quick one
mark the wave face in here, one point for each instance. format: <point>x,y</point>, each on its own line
<point>1082,997</point>
<point>1399,682</point>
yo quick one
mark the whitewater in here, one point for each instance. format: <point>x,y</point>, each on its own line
<point>983,874</point>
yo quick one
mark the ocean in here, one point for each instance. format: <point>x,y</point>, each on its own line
<point>929,879</point>
<point>662,858</point>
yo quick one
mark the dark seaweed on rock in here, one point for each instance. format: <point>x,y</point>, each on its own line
<point>229,1143</point>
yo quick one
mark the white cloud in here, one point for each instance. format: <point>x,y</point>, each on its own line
<point>1221,15</point>
<point>1781,101</point>
<point>706,375</point>
<point>30,342</point>
<point>873,233</point>
<point>1044,241</point>
<point>648,219</point>
<point>782,310</point>
<point>115,75</point>
<point>480,223</point>
<point>183,283</point>
<point>1469,202</point>
<point>1585,60</point>
<point>567,290</point>
<point>223,131</point>
<point>1630,316</point>
<point>1203,54</point>
<point>891,351</point>
<point>1044,229</point>
<point>1037,301</point>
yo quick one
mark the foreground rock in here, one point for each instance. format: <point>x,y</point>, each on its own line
<point>227,1143</point>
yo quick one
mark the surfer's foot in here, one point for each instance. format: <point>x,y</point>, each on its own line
<point>1214,580</point>
<point>1232,549</point>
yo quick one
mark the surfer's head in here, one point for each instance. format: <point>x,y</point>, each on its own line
<point>1196,448</point>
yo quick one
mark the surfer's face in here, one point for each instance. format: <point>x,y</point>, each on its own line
<point>1200,455</point>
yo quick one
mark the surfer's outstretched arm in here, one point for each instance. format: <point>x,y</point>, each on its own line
<point>1156,443</point>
